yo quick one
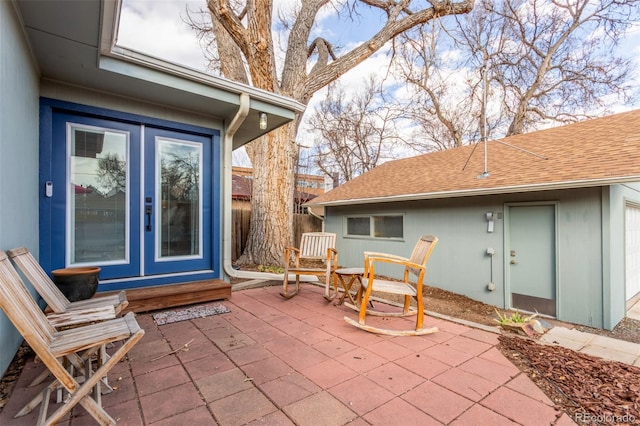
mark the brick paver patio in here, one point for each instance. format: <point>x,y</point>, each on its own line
<point>273,361</point>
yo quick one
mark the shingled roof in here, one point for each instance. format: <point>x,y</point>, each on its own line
<point>595,152</point>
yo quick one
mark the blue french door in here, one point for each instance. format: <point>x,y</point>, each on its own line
<point>177,202</point>
<point>135,200</point>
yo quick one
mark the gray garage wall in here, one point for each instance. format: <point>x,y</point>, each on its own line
<point>460,263</point>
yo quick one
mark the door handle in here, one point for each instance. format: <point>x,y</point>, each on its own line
<point>148,209</point>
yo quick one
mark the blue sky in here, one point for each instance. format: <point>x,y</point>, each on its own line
<point>157,28</point>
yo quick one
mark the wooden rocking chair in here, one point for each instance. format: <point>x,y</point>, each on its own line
<point>318,247</point>
<point>47,289</point>
<point>75,345</point>
<point>415,266</point>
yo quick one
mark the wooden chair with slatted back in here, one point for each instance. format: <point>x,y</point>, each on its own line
<point>410,287</point>
<point>54,347</point>
<point>316,256</point>
<point>47,289</point>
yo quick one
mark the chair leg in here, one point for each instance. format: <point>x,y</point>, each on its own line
<point>285,286</point>
<point>420,318</point>
<point>327,287</point>
<point>407,304</point>
<point>363,305</point>
<point>81,394</point>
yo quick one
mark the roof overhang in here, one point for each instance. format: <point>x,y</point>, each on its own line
<point>74,42</point>
<point>480,191</point>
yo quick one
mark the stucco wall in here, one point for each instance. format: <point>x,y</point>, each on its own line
<point>18,154</point>
<point>460,262</point>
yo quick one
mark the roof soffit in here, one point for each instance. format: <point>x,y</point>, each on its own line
<point>69,41</point>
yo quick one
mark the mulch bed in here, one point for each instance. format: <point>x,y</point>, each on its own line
<point>590,390</point>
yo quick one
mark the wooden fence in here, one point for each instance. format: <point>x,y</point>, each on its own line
<point>240,219</point>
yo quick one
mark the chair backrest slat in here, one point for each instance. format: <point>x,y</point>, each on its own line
<point>20,306</point>
<point>47,289</point>
<point>314,245</point>
<point>422,251</point>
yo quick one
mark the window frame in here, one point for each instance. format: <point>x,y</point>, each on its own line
<point>372,230</point>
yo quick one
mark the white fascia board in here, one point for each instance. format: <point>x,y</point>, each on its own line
<point>482,191</point>
<point>127,56</point>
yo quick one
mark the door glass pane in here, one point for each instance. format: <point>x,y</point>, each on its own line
<point>98,196</point>
<point>179,167</point>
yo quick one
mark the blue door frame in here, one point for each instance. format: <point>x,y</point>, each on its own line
<point>143,265</point>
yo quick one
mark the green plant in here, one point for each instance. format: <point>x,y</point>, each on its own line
<point>515,318</point>
<point>270,268</point>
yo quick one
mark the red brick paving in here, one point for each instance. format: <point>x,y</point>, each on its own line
<point>272,361</point>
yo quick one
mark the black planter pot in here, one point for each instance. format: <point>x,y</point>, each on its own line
<point>77,283</point>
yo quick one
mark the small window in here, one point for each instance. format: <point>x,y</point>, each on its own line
<point>387,226</point>
<point>379,226</point>
<point>358,226</point>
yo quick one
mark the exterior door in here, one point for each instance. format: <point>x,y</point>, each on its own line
<point>177,203</point>
<point>132,199</point>
<point>632,251</point>
<point>531,258</point>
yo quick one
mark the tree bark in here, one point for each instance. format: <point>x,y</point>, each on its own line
<point>271,227</point>
<point>273,156</point>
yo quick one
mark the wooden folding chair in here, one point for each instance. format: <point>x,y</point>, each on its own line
<point>318,248</point>
<point>414,266</point>
<point>76,345</point>
<point>47,289</point>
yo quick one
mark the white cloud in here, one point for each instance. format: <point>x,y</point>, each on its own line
<point>157,28</point>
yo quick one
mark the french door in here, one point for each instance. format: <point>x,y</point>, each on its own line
<point>132,199</point>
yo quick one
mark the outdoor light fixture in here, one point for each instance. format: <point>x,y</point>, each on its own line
<point>263,120</point>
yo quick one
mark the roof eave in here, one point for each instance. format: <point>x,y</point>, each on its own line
<point>480,191</point>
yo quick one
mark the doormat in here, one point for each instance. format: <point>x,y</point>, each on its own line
<point>201,311</point>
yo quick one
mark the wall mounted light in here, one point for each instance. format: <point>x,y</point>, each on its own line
<point>490,219</point>
<point>263,120</point>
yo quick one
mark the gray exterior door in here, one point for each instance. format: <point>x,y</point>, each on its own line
<point>531,258</point>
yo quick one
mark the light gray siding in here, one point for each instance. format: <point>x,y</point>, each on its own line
<point>460,262</point>
<point>79,95</point>
<point>613,291</point>
<point>18,154</point>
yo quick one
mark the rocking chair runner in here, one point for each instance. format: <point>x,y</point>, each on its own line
<point>316,247</point>
<point>416,266</point>
<point>74,345</point>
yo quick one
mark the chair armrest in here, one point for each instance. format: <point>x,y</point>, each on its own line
<point>81,316</point>
<point>401,261</point>
<point>287,256</point>
<point>415,268</point>
<point>368,254</point>
<point>332,259</point>
<point>293,249</point>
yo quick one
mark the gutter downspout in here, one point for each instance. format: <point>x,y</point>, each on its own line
<point>231,130</point>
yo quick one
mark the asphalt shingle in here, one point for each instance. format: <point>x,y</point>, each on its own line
<point>590,153</point>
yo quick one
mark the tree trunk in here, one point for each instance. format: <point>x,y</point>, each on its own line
<point>271,228</point>
<point>248,24</point>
